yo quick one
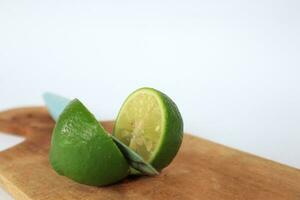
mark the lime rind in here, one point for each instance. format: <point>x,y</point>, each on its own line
<point>172,139</point>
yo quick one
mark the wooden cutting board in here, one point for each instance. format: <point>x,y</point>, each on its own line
<point>202,170</point>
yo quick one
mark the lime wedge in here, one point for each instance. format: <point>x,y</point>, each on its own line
<point>82,150</point>
<point>56,104</point>
<point>150,123</point>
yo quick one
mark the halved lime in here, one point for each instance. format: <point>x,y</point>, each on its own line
<point>56,104</point>
<point>150,123</point>
<point>82,150</point>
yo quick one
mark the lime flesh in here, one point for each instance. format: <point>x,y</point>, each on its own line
<point>83,151</point>
<point>150,123</point>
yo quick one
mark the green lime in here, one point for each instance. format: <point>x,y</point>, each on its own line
<point>82,150</point>
<point>150,123</point>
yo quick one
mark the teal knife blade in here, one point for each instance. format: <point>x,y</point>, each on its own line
<point>55,104</point>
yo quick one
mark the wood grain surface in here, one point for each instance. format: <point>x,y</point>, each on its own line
<point>202,170</point>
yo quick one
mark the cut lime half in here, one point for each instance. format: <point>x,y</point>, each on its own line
<point>150,123</point>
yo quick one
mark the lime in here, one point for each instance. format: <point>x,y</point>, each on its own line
<point>56,104</point>
<point>150,123</point>
<point>82,150</point>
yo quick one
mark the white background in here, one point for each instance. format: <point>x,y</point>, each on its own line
<point>232,67</point>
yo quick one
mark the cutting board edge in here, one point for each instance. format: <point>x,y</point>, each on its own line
<point>12,190</point>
